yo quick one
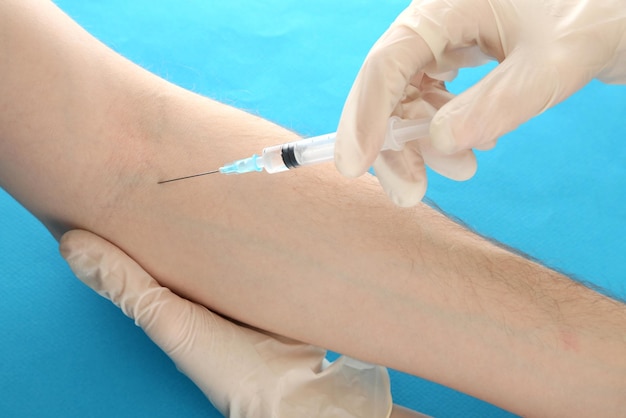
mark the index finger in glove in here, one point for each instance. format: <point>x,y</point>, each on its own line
<point>397,56</point>
<point>169,320</point>
<point>112,274</point>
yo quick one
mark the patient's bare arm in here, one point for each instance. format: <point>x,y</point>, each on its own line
<point>86,135</point>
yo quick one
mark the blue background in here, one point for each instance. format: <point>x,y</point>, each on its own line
<point>555,189</point>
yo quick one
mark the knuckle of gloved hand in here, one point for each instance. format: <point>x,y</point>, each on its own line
<point>179,330</point>
<point>156,312</point>
<point>378,64</point>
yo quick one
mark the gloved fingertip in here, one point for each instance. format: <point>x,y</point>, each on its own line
<point>73,246</point>
<point>464,168</point>
<point>441,135</point>
<point>486,146</point>
<point>404,194</point>
<point>348,167</point>
<point>407,198</point>
<point>402,175</point>
<point>468,173</point>
<point>350,160</point>
<point>67,243</point>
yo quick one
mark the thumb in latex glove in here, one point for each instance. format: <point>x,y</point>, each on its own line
<point>243,372</point>
<point>547,50</point>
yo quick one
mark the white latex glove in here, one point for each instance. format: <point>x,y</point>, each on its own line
<point>243,372</point>
<point>547,50</point>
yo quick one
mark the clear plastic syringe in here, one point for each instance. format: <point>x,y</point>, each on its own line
<point>321,149</point>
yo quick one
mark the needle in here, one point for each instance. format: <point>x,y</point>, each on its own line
<point>188,177</point>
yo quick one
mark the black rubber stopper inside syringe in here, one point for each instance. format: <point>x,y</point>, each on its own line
<point>288,153</point>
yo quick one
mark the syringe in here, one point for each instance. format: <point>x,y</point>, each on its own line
<point>315,150</point>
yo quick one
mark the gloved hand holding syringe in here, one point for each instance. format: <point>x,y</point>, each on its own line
<point>315,150</point>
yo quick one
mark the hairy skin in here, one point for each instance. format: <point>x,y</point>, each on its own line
<point>86,135</point>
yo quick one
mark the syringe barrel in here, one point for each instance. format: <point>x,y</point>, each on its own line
<point>307,151</point>
<point>321,149</point>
